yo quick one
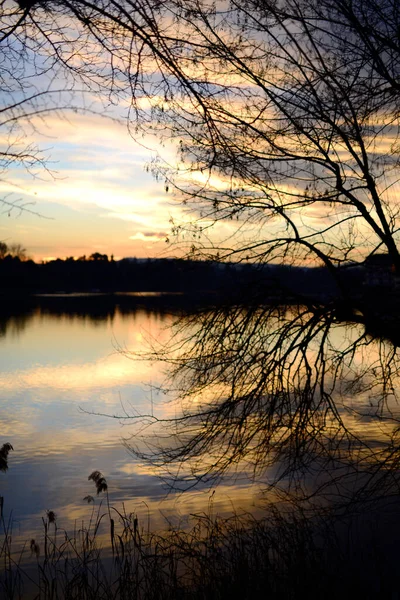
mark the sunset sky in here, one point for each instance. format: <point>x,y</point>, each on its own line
<point>97,198</point>
<point>97,194</point>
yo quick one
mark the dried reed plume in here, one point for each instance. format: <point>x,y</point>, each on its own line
<point>99,481</point>
<point>51,515</point>
<point>4,450</point>
<point>89,498</point>
<point>35,549</point>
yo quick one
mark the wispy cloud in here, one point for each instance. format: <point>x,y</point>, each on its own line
<point>99,171</point>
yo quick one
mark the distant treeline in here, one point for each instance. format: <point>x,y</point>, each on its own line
<point>98,273</point>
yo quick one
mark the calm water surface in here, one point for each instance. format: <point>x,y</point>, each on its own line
<point>57,368</point>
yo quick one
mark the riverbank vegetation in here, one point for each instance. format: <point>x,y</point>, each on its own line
<point>283,554</point>
<point>163,275</point>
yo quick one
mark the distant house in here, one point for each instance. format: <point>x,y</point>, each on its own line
<point>379,271</point>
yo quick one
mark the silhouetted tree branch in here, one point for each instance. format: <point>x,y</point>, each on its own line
<point>283,110</point>
<point>35,83</point>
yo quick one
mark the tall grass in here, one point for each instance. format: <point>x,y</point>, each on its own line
<point>284,555</point>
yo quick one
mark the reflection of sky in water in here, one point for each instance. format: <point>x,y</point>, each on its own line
<point>53,369</point>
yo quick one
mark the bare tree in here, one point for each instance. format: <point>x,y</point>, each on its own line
<point>286,116</point>
<point>18,251</point>
<point>3,250</point>
<point>291,105</point>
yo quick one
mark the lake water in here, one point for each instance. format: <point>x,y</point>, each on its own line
<point>60,363</point>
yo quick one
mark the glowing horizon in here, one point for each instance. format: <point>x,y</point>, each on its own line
<point>97,197</point>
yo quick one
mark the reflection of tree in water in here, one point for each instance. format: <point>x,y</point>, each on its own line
<point>300,395</point>
<point>303,392</point>
<point>13,321</point>
<point>92,308</point>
